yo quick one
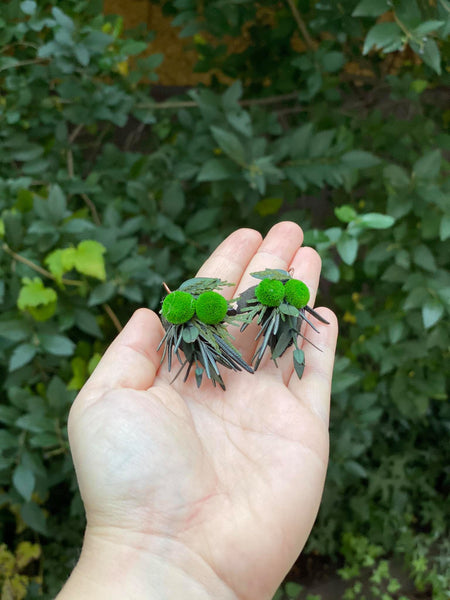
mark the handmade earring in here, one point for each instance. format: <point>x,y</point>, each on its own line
<point>279,304</point>
<point>195,318</point>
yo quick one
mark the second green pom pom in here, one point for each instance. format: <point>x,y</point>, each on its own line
<point>211,308</point>
<point>297,293</point>
<point>270,292</point>
<point>178,307</point>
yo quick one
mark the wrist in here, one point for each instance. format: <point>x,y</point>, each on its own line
<point>139,566</point>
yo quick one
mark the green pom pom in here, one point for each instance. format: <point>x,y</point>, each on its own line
<point>297,293</point>
<point>211,308</point>
<point>178,307</point>
<point>270,292</point>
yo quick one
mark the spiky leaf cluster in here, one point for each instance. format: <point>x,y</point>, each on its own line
<point>201,341</point>
<point>280,324</point>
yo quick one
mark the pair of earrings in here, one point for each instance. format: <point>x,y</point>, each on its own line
<point>195,319</point>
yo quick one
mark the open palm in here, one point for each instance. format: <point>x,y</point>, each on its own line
<point>230,480</point>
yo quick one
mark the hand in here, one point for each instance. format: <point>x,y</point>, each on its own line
<point>198,492</point>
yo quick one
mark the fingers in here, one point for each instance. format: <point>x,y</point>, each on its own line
<point>275,252</point>
<point>306,266</point>
<point>314,388</point>
<point>131,361</point>
<point>231,258</point>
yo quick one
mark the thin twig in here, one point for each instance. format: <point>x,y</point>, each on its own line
<point>38,268</point>
<point>270,99</point>
<point>194,104</point>
<point>301,25</point>
<point>70,163</point>
<point>92,208</point>
<point>112,315</point>
<point>34,61</point>
<point>73,136</point>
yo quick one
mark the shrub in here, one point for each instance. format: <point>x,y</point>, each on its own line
<point>337,123</point>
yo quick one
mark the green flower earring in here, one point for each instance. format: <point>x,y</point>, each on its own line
<point>279,304</point>
<point>195,318</point>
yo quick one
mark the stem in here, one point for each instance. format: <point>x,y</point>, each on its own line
<point>34,61</point>
<point>38,268</point>
<point>70,163</point>
<point>92,208</point>
<point>73,136</point>
<point>193,104</point>
<point>112,315</point>
<point>301,25</point>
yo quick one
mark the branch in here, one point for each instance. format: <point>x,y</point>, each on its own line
<point>92,208</point>
<point>193,104</point>
<point>34,61</point>
<point>73,136</point>
<point>112,315</point>
<point>70,163</point>
<point>301,25</point>
<point>38,268</point>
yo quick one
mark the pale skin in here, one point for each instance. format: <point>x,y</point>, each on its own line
<point>201,493</point>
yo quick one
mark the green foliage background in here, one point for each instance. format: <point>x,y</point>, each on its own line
<point>104,193</point>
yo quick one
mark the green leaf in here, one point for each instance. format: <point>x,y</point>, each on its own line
<point>333,61</point>
<point>300,140</point>
<point>21,356</point>
<point>241,121</point>
<point>376,220</point>
<point>345,213</point>
<point>202,220</point>
<point>427,27</point>
<point>231,97</point>
<point>62,19</point>
<point>360,159</point>
<point>288,309</point>
<point>268,206</point>
<point>58,345</point>
<point>24,481</point>
<point>190,334</point>
<point>34,293</point>
<point>58,395</point>
<point>431,55</point>
<point>293,590</point>
<point>429,165</point>
<point>34,517</point>
<point>423,257</point>
<point>28,153</point>
<point>355,468</point>
<point>216,169</point>
<point>230,144</point>
<point>371,8</point>
<point>57,203</point>
<point>347,248</point>
<point>79,375</point>
<point>7,440</point>
<point>387,36</point>
<point>102,293</point>
<point>35,423</point>
<point>299,362</point>
<point>444,230</point>
<point>82,54</point>
<point>396,176</point>
<point>87,322</point>
<point>15,330</point>
<point>8,415</point>
<point>28,7</point>
<point>432,311</point>
<point>173,199</point>
<point>88,259</point>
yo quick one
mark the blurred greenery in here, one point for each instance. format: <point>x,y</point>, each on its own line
<point>337,119</point>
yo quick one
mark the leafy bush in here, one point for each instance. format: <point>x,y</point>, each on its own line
<point>336,121</point>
